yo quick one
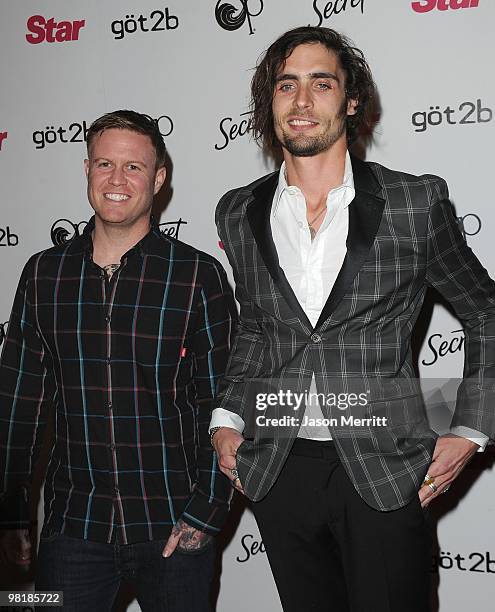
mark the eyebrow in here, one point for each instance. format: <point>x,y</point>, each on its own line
<point>130,161</point>
<point>312,75</point>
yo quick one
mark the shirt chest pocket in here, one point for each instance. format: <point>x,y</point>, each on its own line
<point>164,344</point>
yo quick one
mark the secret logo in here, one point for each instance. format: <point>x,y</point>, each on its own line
<point>329,9</point>
<point>231,129</point>
<point>251,547</point>
<point>439,347</point>
<point>171,228</point>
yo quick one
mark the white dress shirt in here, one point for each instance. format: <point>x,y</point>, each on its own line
<point>311,268</point>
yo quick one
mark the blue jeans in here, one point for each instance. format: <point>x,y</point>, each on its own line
<point>90,573</point>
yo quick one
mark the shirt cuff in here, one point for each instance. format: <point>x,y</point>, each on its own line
<point>471,434</point>
<point>224,418</point>
<point>205,515</point>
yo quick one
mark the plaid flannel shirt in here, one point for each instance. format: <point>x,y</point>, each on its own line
<point>130,367</point>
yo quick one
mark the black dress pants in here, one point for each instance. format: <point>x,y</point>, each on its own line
<point>331,552</point>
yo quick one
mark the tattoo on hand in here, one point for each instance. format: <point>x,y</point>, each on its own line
<point>190,538</point>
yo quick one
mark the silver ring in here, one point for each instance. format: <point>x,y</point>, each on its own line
<point>433,487</point>
<point>234,473</point>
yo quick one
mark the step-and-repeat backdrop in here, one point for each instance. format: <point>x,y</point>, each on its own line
<point>188,64</point>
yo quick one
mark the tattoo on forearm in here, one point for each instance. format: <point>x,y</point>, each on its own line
<point>190,538</point>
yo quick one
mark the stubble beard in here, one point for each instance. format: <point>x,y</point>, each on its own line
<point>308,146</point>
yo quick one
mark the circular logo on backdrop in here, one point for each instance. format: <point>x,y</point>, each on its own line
<point>165,125</point>
<point>64,230</point>
<point>231,18</point>
<point>470,224</point>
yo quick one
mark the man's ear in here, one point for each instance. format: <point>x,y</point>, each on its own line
<point>352,106</point>
<point>86,166</point>
<point>160,176</point>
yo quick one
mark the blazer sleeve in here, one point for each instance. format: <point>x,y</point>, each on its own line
<point>456,273</point>
<point>245,360</point>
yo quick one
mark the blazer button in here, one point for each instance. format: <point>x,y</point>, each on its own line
<point>316,338</point>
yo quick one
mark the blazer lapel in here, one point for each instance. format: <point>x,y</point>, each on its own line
<point>365,214</point>
<point>258,214</point>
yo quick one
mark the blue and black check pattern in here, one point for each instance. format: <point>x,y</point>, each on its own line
<point>129,367</point>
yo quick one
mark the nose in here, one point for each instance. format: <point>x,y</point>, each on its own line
<point>117,176</point>
<point>303,97</point>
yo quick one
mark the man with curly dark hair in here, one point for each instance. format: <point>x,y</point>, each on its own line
<point>332,257</point>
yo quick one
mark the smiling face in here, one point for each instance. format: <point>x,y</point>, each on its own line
<point>309,101</point>
<point>122,178</point>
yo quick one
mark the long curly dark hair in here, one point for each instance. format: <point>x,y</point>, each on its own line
<point>359,84</point>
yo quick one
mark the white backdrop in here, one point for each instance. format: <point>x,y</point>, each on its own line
<point>64,63</point>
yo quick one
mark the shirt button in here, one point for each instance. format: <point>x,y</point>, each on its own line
<point>112,447</point>
<point>108,360</point>
<point>116,489</point>
<point>107,319</point>
<point>315,338</point>
<point>110,405</point>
